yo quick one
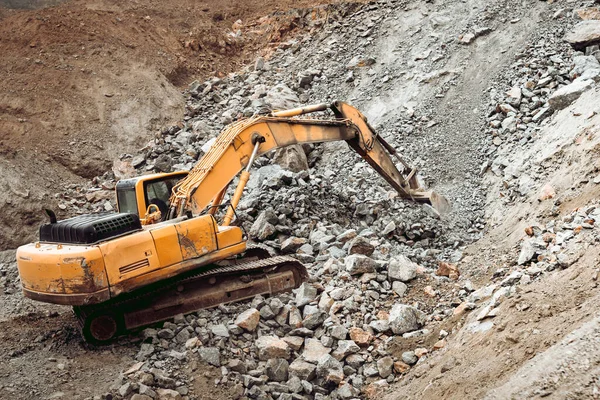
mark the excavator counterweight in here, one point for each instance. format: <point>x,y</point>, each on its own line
<point>169,251</point>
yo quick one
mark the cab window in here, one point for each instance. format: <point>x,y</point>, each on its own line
<point>159,192</point>
<point>126,201</point>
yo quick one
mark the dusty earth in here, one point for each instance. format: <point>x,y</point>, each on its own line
<point>86,81</point>
<point>80,77</point>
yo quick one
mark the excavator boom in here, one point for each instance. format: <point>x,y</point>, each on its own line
<point>234,148</point>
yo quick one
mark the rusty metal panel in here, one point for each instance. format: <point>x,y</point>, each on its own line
<point>196,236</point>
<point>57,272</point>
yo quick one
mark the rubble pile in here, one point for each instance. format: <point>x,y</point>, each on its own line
<point>364,248</point>
<point>547,77</point>
<point>557,244</point>
<point>382,269</point>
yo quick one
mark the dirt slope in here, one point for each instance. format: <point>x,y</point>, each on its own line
<point>86,81</point>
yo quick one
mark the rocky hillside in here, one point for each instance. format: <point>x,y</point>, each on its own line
<point>498,106</point>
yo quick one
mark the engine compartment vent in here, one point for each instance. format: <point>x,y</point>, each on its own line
<point>90,228</point>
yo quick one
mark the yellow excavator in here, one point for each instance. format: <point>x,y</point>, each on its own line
<point>171,247</point>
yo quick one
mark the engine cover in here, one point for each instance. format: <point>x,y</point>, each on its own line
<point>90,228</point>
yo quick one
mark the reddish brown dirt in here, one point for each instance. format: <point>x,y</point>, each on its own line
<point>85,81</point>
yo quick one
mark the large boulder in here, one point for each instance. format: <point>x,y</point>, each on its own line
<point>248,320</point>
<point>357,264</point>
<point>272,347</point>
<point>263,227</point>
<point>405,318</point>
<point>292,158</point>
<point>564,96</point>
<point>585,33</point>
<point>361,245</point>
<point>402,269</point>
<point>330,370</point>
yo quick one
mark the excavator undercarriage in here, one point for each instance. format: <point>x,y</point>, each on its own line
<point>254,273</point>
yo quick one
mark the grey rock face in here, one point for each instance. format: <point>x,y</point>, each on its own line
<point>405,318</point>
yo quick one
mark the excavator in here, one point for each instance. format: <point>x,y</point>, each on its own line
<point>171,248</point>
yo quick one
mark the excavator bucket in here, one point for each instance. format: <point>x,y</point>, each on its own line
<point>439,203</point>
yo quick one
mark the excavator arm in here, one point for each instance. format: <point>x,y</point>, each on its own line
<point>237,146</point>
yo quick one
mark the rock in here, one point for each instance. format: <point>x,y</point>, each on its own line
<point>161,379</point>
<point>405,318</point>
<point>357,264</point>
<point>291,158</point>
<point>295,317</point>
<point>146,350</point>
<point>237,366</point>
<point>541,114</point>
<point>467,38</point>
<point>166,333</point>
<point>401,367</point>
<point>360,337</point>
<point>588,13</point>
<point>330,370</point>
<point>302,369</point>
<point>295,342</point>
<point>141,397</point>
<point>272,347</point>
<point>314,350</point>
<point>528,251</point>
<point>582,64</point>
<point>385,366</point>
<point>399,288</point>
<point>313,317</point>
<point>585,33</point>
<point>375,389</point>
<point>449,270</point>
<point>163,163</point>
<point>291,244</point>
<point>248,320</point>
<point>547,192</point>
<point>325,302</point>
<point>259,64</point>
<point>402,269</point>
<point>358,62</point>
<point>263,227</point>
<point>361,245</point>
<point>168,394</point>
<point>409,357</point>
<point>344,349</point>
<point>219,330</point>
<point>210,355</point>
<point>124,169</point>
<point>305,294</point>
<point>346,236</point>
<point>339,332</point>
<point>126,389</point>
<point>346,392</point>
<point>564,96</point>
<point>389,228</point>
<point>281,97</point>
<point>509,123</point>
<point>277,369</point>
<point>380,325</point>
<point>266,312</point>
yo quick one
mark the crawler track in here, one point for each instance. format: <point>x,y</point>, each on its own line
<point>218,284</point>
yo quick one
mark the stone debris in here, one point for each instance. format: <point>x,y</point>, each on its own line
<point>585,33</point>
<point>367,252</point>
<point>564,96</point>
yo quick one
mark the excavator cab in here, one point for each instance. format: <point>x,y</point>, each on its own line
<point>149,192</point>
